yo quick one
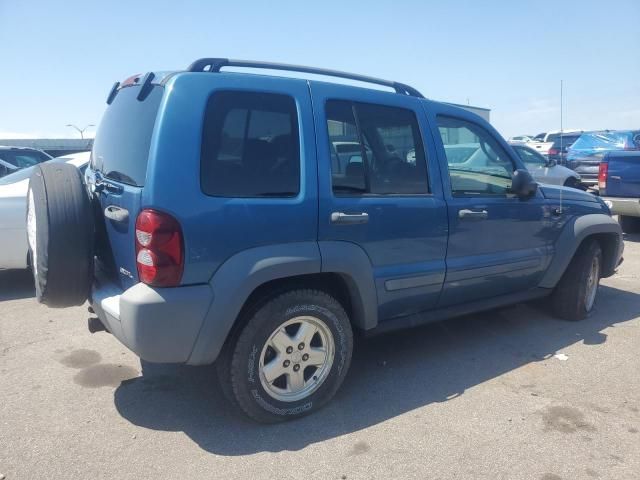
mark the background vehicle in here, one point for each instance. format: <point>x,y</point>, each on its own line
<point>545,170</point>
<point>344,153</point>
<point>522,138</point>
<point>543,142</point>
<point>619,185</point>
<point>13,207</point>
<point>13,159</point>
<point>256,254</point>
<point>560,146</point>
<point>585,155</point>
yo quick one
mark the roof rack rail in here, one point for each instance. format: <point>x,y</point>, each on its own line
<point>215,64</point>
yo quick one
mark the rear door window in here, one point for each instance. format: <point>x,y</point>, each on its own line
<point>250,146</point>
<point>121,147</point>
<point>376,149</point>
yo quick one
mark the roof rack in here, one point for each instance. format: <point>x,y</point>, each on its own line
<point>215,64</point>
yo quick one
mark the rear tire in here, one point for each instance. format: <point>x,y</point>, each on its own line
<point>60,235</point>
<point>290,358</point>
<point>629,224</point>
<point>574,296</point>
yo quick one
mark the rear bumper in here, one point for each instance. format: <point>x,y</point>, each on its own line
<point>588,178</point>
<point>158,324</point>
<point>623,206</point>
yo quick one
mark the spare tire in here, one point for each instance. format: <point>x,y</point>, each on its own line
<point>60,234</point>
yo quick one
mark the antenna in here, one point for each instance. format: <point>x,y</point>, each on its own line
<point>561,134</point>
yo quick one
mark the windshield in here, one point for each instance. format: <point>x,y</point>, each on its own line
<point>23,158</point>
<point>26,172</point>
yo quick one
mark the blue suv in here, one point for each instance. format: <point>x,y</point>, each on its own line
<point>257,221</point>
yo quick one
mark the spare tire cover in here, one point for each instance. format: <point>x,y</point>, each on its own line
<point>60,234</point>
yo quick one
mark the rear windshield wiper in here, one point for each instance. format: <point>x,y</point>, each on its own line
<point>121,177</point>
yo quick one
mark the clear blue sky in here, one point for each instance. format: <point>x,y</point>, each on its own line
<point>59,59</point>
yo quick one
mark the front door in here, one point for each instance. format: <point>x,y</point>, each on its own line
<point>498,243</point>
<point>379,189</point>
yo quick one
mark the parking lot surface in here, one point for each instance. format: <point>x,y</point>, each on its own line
<point>508,394</point>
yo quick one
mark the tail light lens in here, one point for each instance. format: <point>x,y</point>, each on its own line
<point>159,249</point>
<point>603,172</point>
<point>553,151</point>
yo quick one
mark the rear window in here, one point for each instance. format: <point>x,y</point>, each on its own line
<point>121,146</point>
<point>250,146</point>
<point>566,140</point>
<point>347,147</point>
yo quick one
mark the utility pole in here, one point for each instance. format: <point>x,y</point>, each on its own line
<point>80,130</point>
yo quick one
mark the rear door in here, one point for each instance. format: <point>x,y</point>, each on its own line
<point>498,243</point>
<point>117,172</point>
<point>386,196</point>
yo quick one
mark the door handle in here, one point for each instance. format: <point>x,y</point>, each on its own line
<point>466,214</point>
<point>116,214</point>
<point>342,218</point>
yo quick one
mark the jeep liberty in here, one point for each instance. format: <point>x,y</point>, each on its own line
<point>257,221</point>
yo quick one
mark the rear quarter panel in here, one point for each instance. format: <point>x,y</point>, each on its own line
<point>216,228</point>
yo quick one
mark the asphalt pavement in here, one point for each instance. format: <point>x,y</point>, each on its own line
<point>507,394</point>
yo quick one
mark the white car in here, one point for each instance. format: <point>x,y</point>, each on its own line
<point>13,159</point>
<point>546,171</point>
<point>13,208</point>
<point>522,138</point>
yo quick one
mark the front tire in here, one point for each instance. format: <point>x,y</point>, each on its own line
<point>290,358</point>
<point>575,295</point>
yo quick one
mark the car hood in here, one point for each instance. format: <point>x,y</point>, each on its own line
<point>554,192</point>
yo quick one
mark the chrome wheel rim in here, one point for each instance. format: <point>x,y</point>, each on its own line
<point>31,232</point>
<point>592,284</point>
<point>296,358</point>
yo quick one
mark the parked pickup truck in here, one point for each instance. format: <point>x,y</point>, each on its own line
<point>619,185</point>
<point>212,226</point>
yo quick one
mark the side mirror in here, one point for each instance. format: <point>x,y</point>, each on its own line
<point>522,184</point>
<point>551,162</point>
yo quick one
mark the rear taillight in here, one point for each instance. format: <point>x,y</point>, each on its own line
<point>553,151</point>
<point>603,172</point>
<point>159,249</point>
